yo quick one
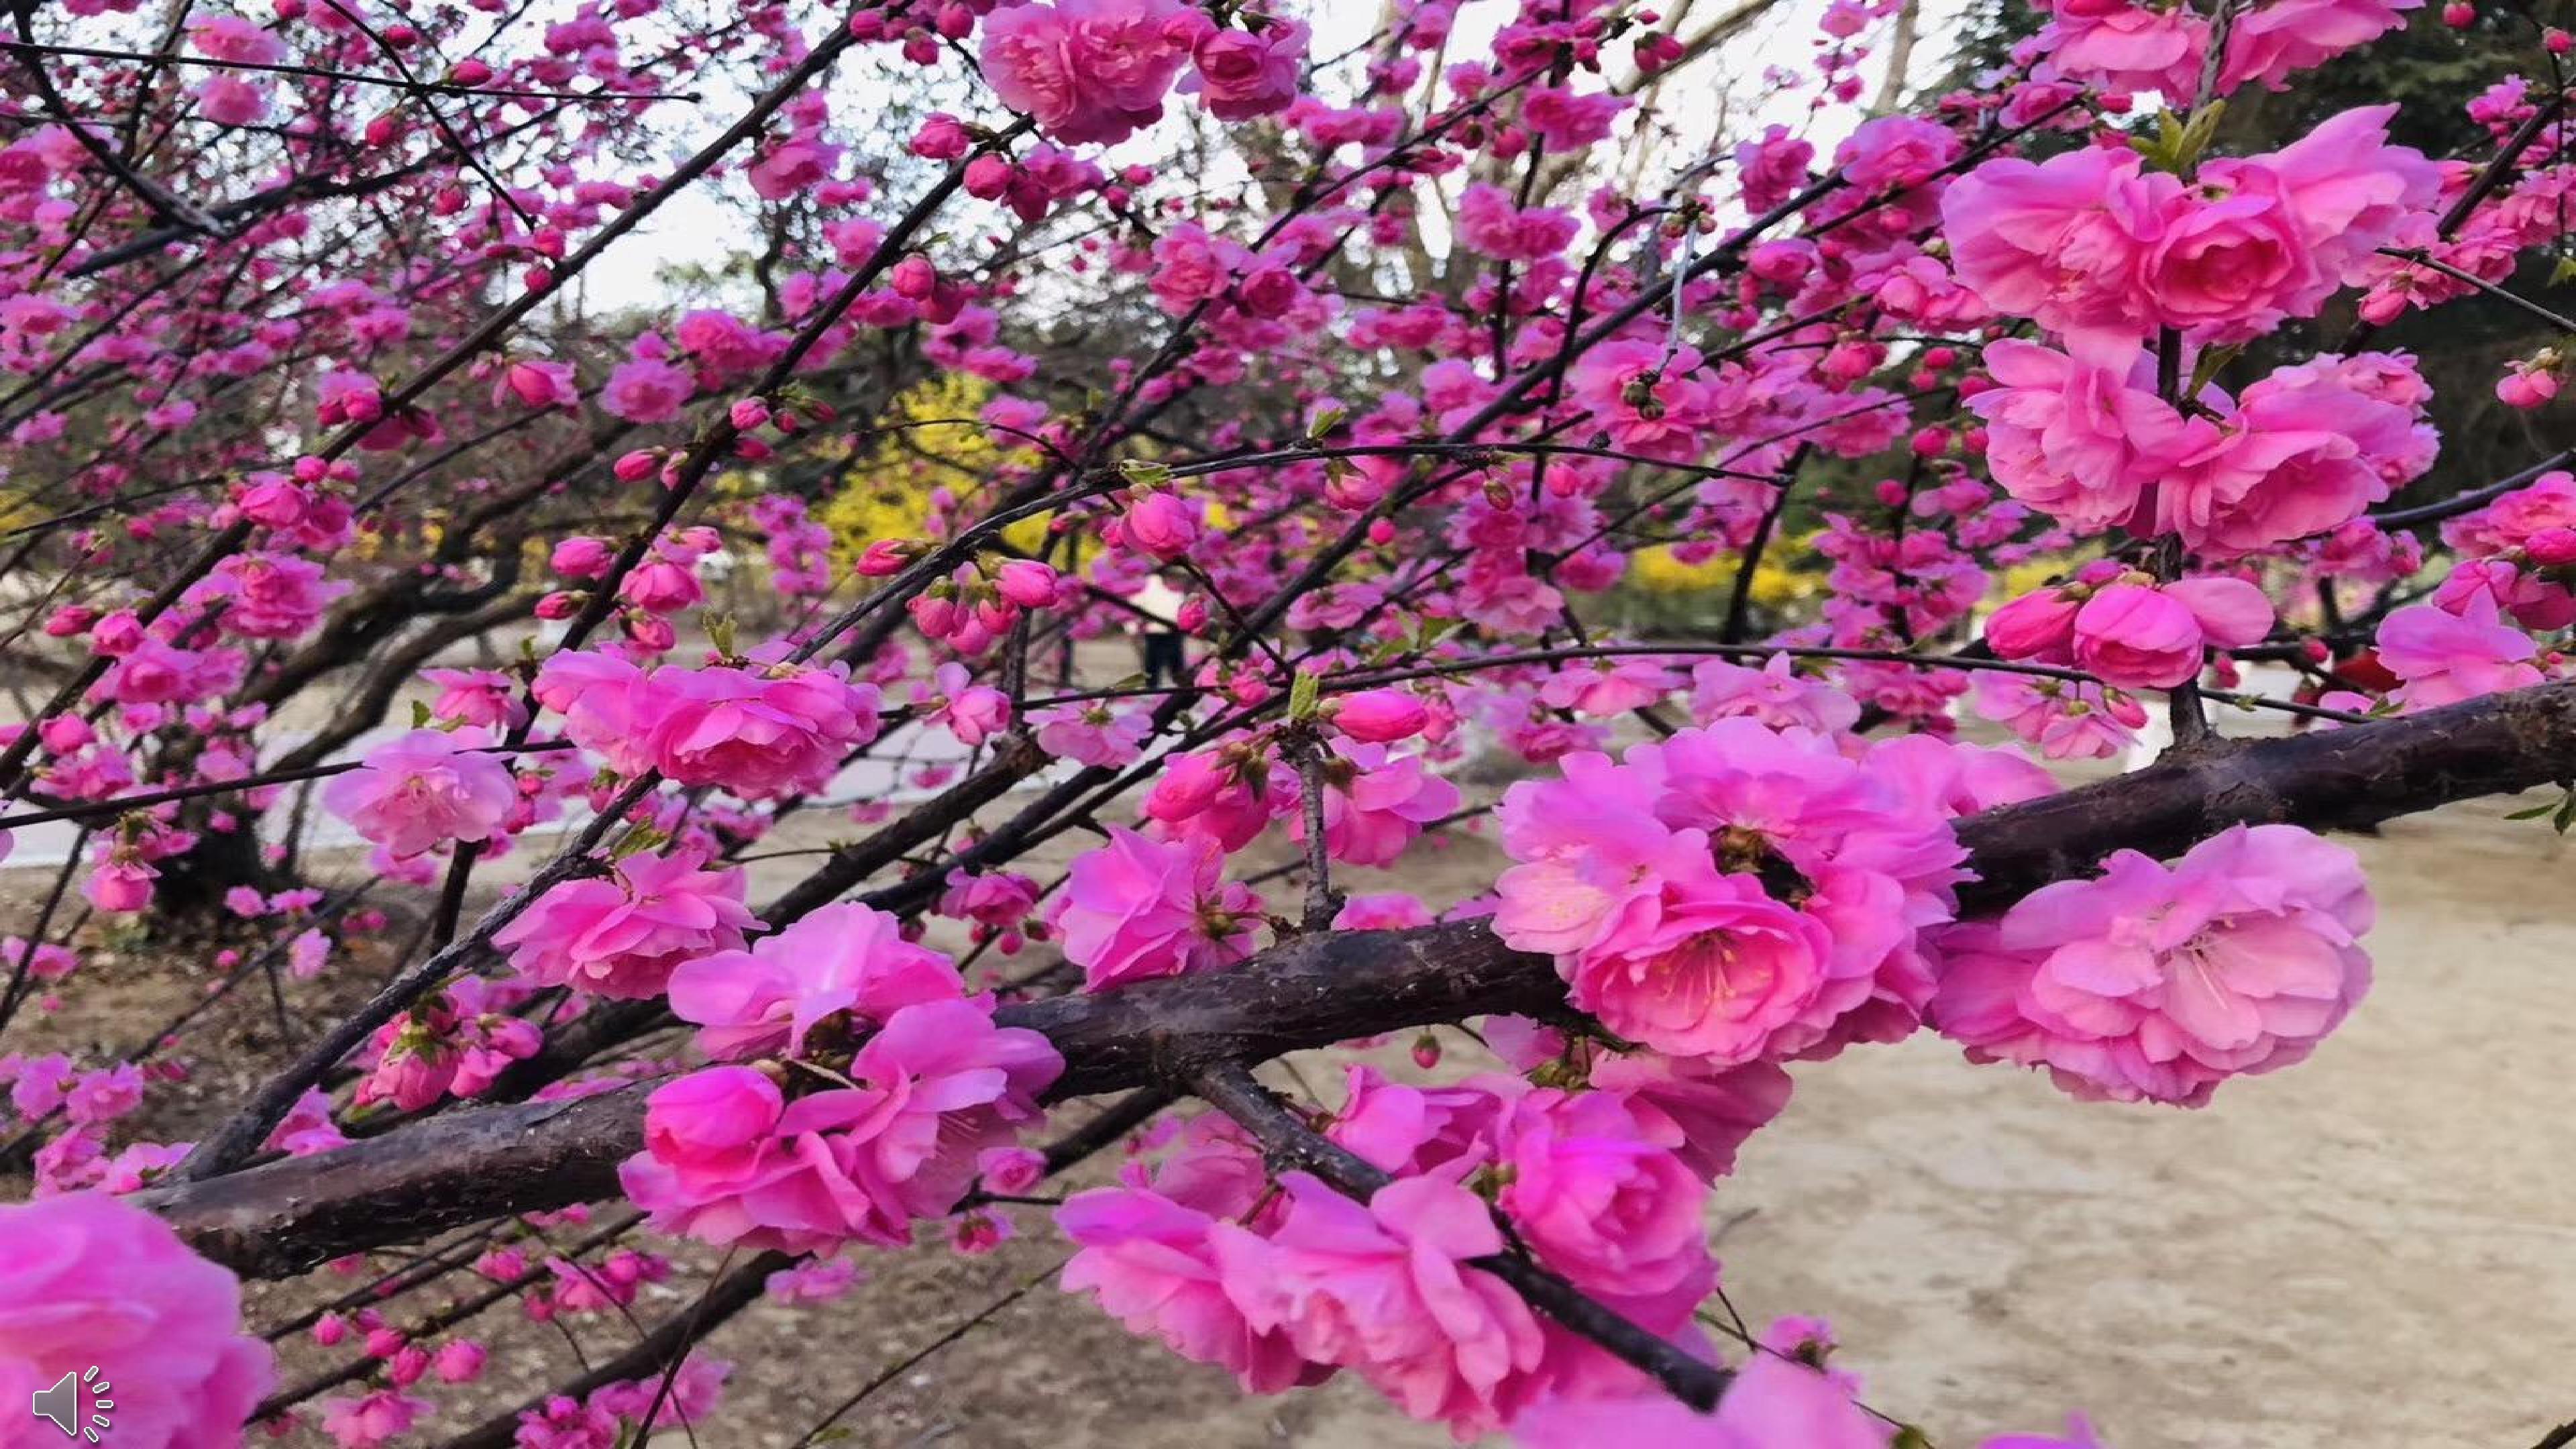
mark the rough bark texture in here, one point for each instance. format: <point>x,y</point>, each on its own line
<point>464,1166</point>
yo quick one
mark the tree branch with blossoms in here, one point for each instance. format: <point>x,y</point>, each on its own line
<point>1750,501</point>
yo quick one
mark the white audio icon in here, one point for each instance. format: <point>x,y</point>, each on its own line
<point>62,1404</point>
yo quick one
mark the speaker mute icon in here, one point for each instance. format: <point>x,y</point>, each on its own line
<point>63,1404</point>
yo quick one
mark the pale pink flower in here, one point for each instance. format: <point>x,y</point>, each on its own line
<point>2066,721</point>
<point>2446,657</point>
<point>1773,695</point>
<point>623,936</point>
<point>424,789</point>
<point>87,1280</point>
<point>1092,734</point>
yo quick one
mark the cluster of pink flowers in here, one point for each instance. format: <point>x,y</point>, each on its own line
<point>758,730</point>
<point>2296,454</point>
<point>1733,893</point>
<point>1284,1287</point>
<point>1097,70</point>
<point>2124,47</point>
<point>730,1158</point>
<point>2103,251</point>
<point>2157,982</point>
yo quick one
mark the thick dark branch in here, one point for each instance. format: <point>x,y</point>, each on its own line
<point>464,1166</point>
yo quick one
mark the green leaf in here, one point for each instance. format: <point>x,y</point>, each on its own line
<point>1143,473</point>
<point>1305,691</point>
<point>638,840</point>
<point>419,715</point>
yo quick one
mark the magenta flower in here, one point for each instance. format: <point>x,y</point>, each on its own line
<point>2446,657</point>
<point>1151,1264</point>
<point>1086,70</point>
<point>841,958</point>
<point>2158,982</point>
<point>759,733</point>
<point>1385,1291</point>
<point>1138,908</point>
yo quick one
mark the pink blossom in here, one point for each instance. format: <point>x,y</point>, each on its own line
<point>2063,241</point>
<point>475,697</point>
<point>1162,524</point>
<point>2158,981</point>
<point>2130,47</point>
<point>939,1084</point>
<point>1650,881</point>
<point>229,37</point>
<point>1646,399</point>
<point>2270,41</point>
<point>2445,657</point>
<point>1151,1263</point>
<point>623,936</point>
<point>371,1419</point>
<point>758,732</point>
<point>1245,74</point>
<point>1085,70</point>
<point>538,384</point>
<point>1375,803</point>
<point>1775,1402</point>
<point>840,958</point>
<point>646,390</point>
<point>2066,721</point>
<point>1385,1291</point>
<point>2135,636</point>
<point>1138,908</point>
<point>1617,1213</point>
<point>973,713</point>
<point>2077,441</point>
<point>424,789</point>
<point>1774,695</point>
<point>1380,716</point>
<point>87,1280</point>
